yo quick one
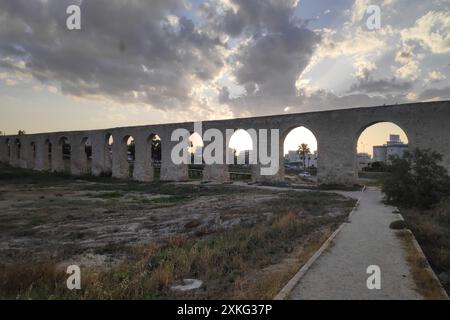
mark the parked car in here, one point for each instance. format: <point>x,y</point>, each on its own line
<point>304,174</point>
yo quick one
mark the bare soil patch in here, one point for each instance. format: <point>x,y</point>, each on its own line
<point>134,240</point>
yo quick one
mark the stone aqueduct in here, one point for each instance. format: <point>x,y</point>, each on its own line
<point>427,125</point>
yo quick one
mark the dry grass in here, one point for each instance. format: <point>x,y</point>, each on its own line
<point>432,230</point>
<point>267,283</point>
<point>229,263</point>
<point>250,260</point>
<point>426,284</point>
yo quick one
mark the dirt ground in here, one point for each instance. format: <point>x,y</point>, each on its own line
<point>66,219</point>
<point>97,221</point>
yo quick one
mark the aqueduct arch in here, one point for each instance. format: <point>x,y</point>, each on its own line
<point>302,140</point>
<point>32,156</point>
<point>336,131</point>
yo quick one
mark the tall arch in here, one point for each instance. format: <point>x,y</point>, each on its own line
<point>123,157</point>
<point>108,154</point>
<point>48,155</point>
<point>61,155</point>
<point>32,155</point>
<point>17,156</point>
<point>195,150</point>
<point>300,154</point>
<point>145,152</point>
<point>8,150</point>
<point>81,161</point>
<point>154,145</point>
<point>376,143</point>
<point>242,148</point>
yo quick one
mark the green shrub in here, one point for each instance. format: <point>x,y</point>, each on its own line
<point>416,180</point>
<point>398,225</point>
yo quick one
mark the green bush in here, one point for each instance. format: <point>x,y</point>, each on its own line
<point>398,225</point>
<point>416,180</point>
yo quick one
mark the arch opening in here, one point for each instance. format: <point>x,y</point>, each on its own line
<point>8,148</point>
<point>66,154</point>
<point>195,149</point>
<point>301,153</point>
<point>376,144</point>
<point>48,154</point>
<point>33,155</point>
<point>241,143</point>
<point>86,145</point>
<point>128,140</point>
<point>155,153</point>
<point>108,154</point>
<point>18,150</point>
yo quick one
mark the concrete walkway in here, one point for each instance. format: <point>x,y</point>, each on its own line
<point>340,273</point>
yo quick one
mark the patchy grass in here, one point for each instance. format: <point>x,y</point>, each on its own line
<point>107,195</point>
<point>373,183</point>
<point>242,243</point>
<point>425,283</point>
<point>224,261</point>
<point>432,230</point>
<point>355,187</point>
<point>321,187</point>
<point>165,200</point>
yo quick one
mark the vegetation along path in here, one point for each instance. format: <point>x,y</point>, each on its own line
<point>341,271</point>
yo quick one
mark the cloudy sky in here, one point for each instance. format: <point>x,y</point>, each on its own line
<point>155,61</point>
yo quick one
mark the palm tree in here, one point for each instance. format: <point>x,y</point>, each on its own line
<point>303,150</point>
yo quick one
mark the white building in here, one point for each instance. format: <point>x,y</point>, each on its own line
<point>393,147</point>
<point>364,160</point>
<point>294,158</point>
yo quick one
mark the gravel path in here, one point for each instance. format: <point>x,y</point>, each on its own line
<point>340,273</point>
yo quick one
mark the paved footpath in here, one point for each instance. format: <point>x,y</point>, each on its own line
<point>340,273</point>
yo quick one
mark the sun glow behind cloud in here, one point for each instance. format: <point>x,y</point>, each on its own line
<point>215,59</point>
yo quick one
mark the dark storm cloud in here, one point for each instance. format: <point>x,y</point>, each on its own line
<point>382,86</point>
<point>123,47</point>
<point>130,51</point>
<point>317,101</point>
<point>279,48</point>
<point>274,62</point>
<point>435,94</point>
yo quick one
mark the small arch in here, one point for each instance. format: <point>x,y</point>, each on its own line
<point>48,154</point>
<point>241,143</point>
<point>86,146</point>
<point>66,154</point>
<point>156,147</point>
<point>18,149</point>
<point>195,147</point>
<point>130,155</point>
<point>301,152</point>
<point>33,154</point>
<point>154,142</point>
<point>108,154</point>
<point>8,148</point>
<point>195,150</point>
<point>376,143</point>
